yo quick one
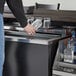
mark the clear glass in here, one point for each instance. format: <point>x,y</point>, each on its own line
<point>37,23</point>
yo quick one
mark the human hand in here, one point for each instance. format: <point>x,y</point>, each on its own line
<point>29,29</point>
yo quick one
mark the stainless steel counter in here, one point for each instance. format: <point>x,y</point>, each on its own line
<point>38,38</point>
<point>29,55</point>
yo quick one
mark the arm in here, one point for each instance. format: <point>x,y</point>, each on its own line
<point>16,7</point>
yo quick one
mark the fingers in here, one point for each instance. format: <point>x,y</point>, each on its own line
<point>31,32</point>
<point>29,29</point>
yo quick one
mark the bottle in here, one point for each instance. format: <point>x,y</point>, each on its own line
<point>69,52</point>
<point>37,24</point>
<point>47,23</point>
<point>73,44</point>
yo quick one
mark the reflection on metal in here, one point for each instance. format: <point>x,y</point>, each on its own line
<point>60,73</point>
<point>37,38</point>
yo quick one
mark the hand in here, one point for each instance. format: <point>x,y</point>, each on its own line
<point>29,29</point>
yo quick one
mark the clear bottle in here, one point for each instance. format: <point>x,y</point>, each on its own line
<point>47,23</point>
<point>37,24</point>
<point>69,52</point>
<point>73,45</point>
<point>74,49</point>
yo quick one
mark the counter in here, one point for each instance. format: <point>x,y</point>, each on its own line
<point>29,55</point>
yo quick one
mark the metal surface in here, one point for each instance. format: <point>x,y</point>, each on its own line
<point>29,55</point>
<point>37,38</point>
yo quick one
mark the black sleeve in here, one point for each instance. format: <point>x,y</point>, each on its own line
<point>16,7</point>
